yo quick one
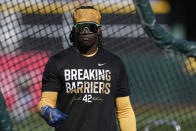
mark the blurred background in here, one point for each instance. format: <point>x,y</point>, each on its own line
<point>181,19</point>
<point>162,83</point>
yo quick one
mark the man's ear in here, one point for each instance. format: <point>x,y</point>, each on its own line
<point>100,36</point>
<point>99,30</point>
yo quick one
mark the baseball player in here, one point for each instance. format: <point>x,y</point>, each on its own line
<point>85,87</point>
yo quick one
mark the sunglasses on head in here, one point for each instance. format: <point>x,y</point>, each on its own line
<point>91,27</point>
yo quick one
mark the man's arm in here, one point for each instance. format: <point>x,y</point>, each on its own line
<point>48,110</point>
<point>48,99</point>
<point>125,114</point>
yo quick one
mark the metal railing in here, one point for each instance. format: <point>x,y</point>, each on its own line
<point>162,122</point>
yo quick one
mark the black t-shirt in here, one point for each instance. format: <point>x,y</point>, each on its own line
<point>87,88</point>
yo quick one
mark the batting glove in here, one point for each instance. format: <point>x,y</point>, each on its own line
<point>53,116</point>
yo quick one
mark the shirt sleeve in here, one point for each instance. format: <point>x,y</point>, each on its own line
<point>123,84</point>
<point>48,99</point>
<point>125,114</point>
<point>51,80</point>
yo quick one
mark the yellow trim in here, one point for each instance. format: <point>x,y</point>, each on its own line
<point>51,117</point>
<point>92,53</point>
<point>161,7</point>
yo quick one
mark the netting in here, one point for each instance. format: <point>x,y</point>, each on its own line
<point>162,83</point>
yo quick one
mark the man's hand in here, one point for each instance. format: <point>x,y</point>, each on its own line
<point>53,116</point>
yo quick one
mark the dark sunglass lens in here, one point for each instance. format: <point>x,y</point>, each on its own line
<point>79,28</point>
<point>93,28</point>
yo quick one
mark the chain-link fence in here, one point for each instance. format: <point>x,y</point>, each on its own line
<point>163,84</point>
